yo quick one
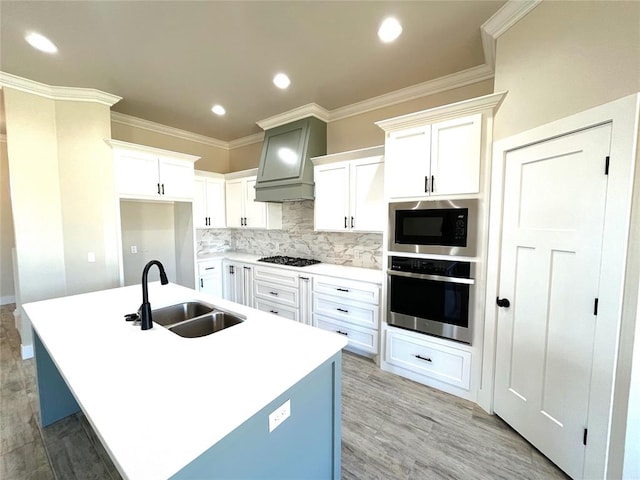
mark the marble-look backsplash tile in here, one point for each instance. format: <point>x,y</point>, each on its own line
<point>298,239</point>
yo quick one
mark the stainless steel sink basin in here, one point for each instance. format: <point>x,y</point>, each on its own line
<point>206,325</point>
<point>179,313</point>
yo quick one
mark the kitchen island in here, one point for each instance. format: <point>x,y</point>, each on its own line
<point>165,406</point>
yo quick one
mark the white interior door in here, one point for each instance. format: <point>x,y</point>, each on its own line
<point>554,204</point>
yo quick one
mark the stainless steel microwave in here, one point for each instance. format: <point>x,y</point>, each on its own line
<point>444,227</point>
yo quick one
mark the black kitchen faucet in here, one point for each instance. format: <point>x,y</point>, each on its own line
<point>146,322</point>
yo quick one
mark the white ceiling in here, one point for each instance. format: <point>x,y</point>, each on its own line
<point>172,60</point>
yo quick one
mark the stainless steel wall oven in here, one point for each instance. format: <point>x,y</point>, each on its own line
<point>431,296</point>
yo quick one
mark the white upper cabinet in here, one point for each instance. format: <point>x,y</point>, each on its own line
<point>455,155</point>
<point>438,159</point>
<point>439,151</point>
<point>209,200</point>
<point>151,173</point>
<point>349,191</point>
<point>241,207</point>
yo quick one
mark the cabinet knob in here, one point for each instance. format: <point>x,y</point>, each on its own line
<point>503,302</point>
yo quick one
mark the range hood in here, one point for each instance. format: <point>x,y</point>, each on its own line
<point>285,172</point>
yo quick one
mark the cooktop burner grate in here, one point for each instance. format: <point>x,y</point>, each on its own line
<point>289,261</point>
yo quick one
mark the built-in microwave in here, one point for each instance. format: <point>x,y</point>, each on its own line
<point>445,227</point>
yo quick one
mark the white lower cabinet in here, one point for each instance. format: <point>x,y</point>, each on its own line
<point>350,308</point>
<point>429,358</point>
<point>277,291</point>
<point>238,282</point>
<point>210,277</point>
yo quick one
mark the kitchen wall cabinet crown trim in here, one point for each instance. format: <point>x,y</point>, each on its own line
<point>445,112</point>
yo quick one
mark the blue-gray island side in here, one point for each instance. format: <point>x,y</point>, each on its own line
<point>260,399</point>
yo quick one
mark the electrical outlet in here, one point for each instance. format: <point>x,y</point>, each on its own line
<point>279,415</point>
<point>134,249</point>
<point>91,257</point>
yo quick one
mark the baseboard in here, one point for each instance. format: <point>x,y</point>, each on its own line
<point>7,299</point>
<point>27,351</point>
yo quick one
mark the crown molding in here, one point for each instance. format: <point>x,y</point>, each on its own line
<point>431,87</point>
<point>501,21</point>
<point>73,94</point>
<point>167,130</point>
<point>241,174</point>
<point>248,140</point>
<point>119,145</point>
<point>308,110</point>
<point>444,112</point>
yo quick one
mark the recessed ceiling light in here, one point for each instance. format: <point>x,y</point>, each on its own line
<point>218,110</point>
<point>41,42</point>
<point>389,30</point>
<point>281,81</point>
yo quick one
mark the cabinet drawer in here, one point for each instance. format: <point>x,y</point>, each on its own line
<point>358,291</point>
<point>281,295</point>
<point>446,364</point>
<point>209,267</point>
<point>364,339</point>
<point>279,276</point>
<point>276,309</point>
<point>362,314</point>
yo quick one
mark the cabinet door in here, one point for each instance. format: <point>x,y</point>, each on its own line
<point>176,178</point>
<point>215,202</point>
<point>137,174</point>
<point>331,209</point>
<point>367,195</point>
<point>305,301</point>
<point>455,156</point>
<point>247,285</point>
<point>199,203</point>
<point>255,212</point>
<point>407,162</point>
<point>234,200</point>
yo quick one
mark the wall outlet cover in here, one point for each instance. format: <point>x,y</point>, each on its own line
<point>279,415</point>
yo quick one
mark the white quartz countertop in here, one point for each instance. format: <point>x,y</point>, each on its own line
<point>158,400</point>
<point>369,275</point>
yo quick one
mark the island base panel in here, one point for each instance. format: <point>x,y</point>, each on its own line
<point>56,400</point>
<point>304,446</point>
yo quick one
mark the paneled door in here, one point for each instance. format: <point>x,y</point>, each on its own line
<point>553,218</point>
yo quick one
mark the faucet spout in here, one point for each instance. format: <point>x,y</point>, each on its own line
<point>146,322</point>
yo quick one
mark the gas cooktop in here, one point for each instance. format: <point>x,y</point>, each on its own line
<point>289,261</point>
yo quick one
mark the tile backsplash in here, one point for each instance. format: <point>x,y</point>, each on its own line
<point>298,239</point>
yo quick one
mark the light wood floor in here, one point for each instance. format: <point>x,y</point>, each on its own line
<point>392,428</point>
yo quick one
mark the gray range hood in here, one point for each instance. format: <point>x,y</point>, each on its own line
<point>285,172</point>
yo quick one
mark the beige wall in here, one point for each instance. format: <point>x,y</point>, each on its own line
<point>360,131</point>
<point>57,153</point>
<point>244,158</point>
<point>212,159</point>
<point>566,57</point>
<point>7,290</point>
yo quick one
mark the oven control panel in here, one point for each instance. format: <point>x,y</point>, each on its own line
<point>428,266</point>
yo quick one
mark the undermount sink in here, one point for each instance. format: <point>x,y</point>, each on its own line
<point>206,325</point>
<point>194,319</point>
<point>179,313</point>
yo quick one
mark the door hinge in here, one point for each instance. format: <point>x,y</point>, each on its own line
<point>595,307</point>
<point>584,437</point>
<point>606,165</point>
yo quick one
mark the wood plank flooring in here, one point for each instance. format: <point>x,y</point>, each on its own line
<point>392,428</point>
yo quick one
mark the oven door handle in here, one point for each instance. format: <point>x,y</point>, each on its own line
<point>439,278</point>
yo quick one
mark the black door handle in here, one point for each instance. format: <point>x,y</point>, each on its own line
<point>503,302</point>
